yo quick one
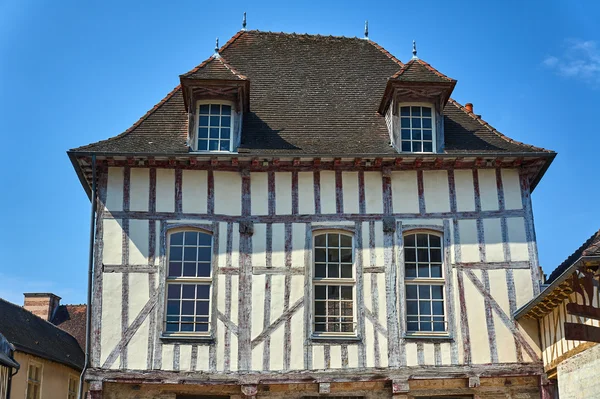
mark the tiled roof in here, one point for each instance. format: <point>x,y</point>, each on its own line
<point>71,318</point>
<point>417,70</point>
<point>589,248</point>
<point>214,68</point>
<point>309,95</point>
<point>34,335</point>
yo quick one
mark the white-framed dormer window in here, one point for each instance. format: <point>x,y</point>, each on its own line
<point>214,123</point>
<point>424,282</point>
<point>334,284</point>
<point>189,282</point>
<point>417,128</point>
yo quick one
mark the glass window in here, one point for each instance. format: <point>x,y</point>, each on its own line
<point>416,129</point>
<point>333,284</point>
<point>73,387</point>
<point>34,381</point>
<point>424,283</point>
<point>214,127</point>
<point>189,282</point>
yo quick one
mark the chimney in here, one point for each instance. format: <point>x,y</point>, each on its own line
<point>469,107</point>
<point>41,304</point>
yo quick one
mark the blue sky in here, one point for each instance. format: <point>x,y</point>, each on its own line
<point>75,72</point>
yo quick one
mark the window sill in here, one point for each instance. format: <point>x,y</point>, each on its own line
<point>202,339</point>
<point>335,339</point>
<point>429,337</point>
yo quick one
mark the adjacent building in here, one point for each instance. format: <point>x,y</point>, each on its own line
<point>307,215</point>
<point>50,359</point>
<point>8,366</point>
<point>568,314</point>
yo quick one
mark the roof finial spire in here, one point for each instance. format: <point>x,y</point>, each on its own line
<point>244,21</point>
<point>414,57</point>
<point>216,54</point>
<point>366,29</point>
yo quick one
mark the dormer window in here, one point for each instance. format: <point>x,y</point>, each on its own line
<point>215,126</point>
<point>417,128</point>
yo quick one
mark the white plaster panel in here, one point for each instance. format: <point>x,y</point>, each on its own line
<point>446,350</point>
<point>165,190</point>
<point>156,244</point>
<point>327,192</point>
<point>220,281</point>
<point>235,290</point>
<point>258,300</point>
<point>435,189</point>
<point>277,296</point>
<point>235,248</point>
<point>318,357</point>
<point>492,234</point>
<point>298,242</point>
<point>457,325</point>
<point>297,289</point>
<point>114,189</point>
<point>111,319</point>
<point>139,189</point>
<point>352,356</point>
<point>167,357</point>
<point>365,244</point>
<point>465,191</point>
<point>222,250</point>
<point>306,193</point>
<point>350,192</point>
<point>512,189</point>
<point>368,300</point>
<point>138,242</point>
<point>428,354</point>
<point>468,240</point>
<point>517,239</point>
<point>220,339</point>
<point>194,191</point>
<point>411,354</point>
<point>369,341</point>
<point>283,193</point>
<point>228,193</point>
<point>405,192</point>
<point>257,356</point>
<point>523,286</point>
<point>259,245</point>
<point>505,342</point>
<point>233,359</point>
<point>137,349</point>
<point>373,192</point>
<point>488,189</point>
<point>297,343</point>
<point>259,193</point>
<point>335,352</point>
<point>185,357</point>
<point>480,349</point>
<point>112,237</point>
<point>382,299</point>
<point>383,349</point>
<point>139,294</point>
<point>278,250</point>
<point>379,260</point>
<point>276,360</point>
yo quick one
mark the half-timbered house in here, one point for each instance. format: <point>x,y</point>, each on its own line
<point>568,314</point>
<point>307,215</point>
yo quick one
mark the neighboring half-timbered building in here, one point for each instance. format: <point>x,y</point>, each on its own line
<point>306,215</point>
<point>568,313</point>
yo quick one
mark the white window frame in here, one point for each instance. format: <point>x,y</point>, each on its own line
<point>72,394</point>
<point>334,282</point>
<point>39,365</point>
<point>195,135</point>
<point>429,281</point>
<point>190,281</point>
<point>433,128</point>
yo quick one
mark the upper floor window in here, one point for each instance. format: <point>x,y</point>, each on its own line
<point>424,283</point>
<point>417,132</point>
<point>34,381</point>
<point>189,281</point>
<point>334,284</point>
<point>215,126</point>
<point>73,387</point>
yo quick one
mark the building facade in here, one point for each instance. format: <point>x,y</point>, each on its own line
<point>307,215</point>
<point>568,314</point>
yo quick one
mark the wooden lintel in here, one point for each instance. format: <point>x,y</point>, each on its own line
<point>296,162</point>
<point>498,162</point>
<point>214,161</point>
<point>337,162</point>
<point>276,161</point>
<point>583,311</point>
<point>172,161</point>
<point>255,162</point>
<point>235,162</point>
<point>151,161</point>
<point>130,161</point>
<point>317,161</point>
<point>438,162</point>
<point>193,161</point>
<point>378,162</point>
<point>582,332</point>
<point>418,162</point>
<point>110,161</point>
<point>398,162</point>
<point>479,162</point>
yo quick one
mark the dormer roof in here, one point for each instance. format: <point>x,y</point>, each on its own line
<point>418,71</point>
<point>214,68</point>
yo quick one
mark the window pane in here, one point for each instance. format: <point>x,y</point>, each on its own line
<point>174,291</point>
<point>412,326</point>
<point>320,292</point>
<point>426,111</point>
<point>203,144</point>
<point>427,134</point>
<point>224,145</point>
<point>189,254</point>
<point>405,111</point>
<point>225,133</point>
<point>213,145</point>
<point>177,239</point>
<point>423,270</point>
<point>435,241</point>
<point>333,271</point>
<point>410,255</point>
<point>333,292</point>
<point>320,270</point>
<point>409,240</point>
<point>225,121</point>
<point>175,269</point>
<point>333,255</point>
<point>204,254</point>
<point>204,239</point>
<point>412,307</point>
<point>189,291</point>
<point>405,134</point>
<point>416,123</point>
<point>424,308</point>
<point>346,292</point>
<point>333,240</point>
<point>226,110</point>
<point>425,326</point>
<point>189,269</point>
<point>416,111</point>
<point>416,147</point>
<point>202,291</point>
<point>202,308</point>
<point>202,327</point>
<point>346,271</point>
<point>427,123</point>
<point>422,240</point>
<point>187,307</point>
<point>436,271</point>
<point>423,255</point>
<point>215,121</point>
<point>214,132</point>
<point>215,108</point>
<point>424,292</point>
<point>320,240</point>
<point>416,134</point>
<point>436,292</point>
<point>405,123</point>
<point>427,147</point>
<point>175,253</point>
<point>204,109</point>
<point>411,270</point>
<point>320,308</point>
<point>436,255</point>
<point>191,238</point>
<point>203,133</point>
<point>411,291</point>
<point>438,308</point>
<point>346,255</point>
<point>406,146</point>
<point>346,241</point>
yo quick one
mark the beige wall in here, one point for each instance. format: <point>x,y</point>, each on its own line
<point>55,377</point>
<point>494,226</point>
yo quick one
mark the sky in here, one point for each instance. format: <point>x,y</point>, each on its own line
<point>74,72</point>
